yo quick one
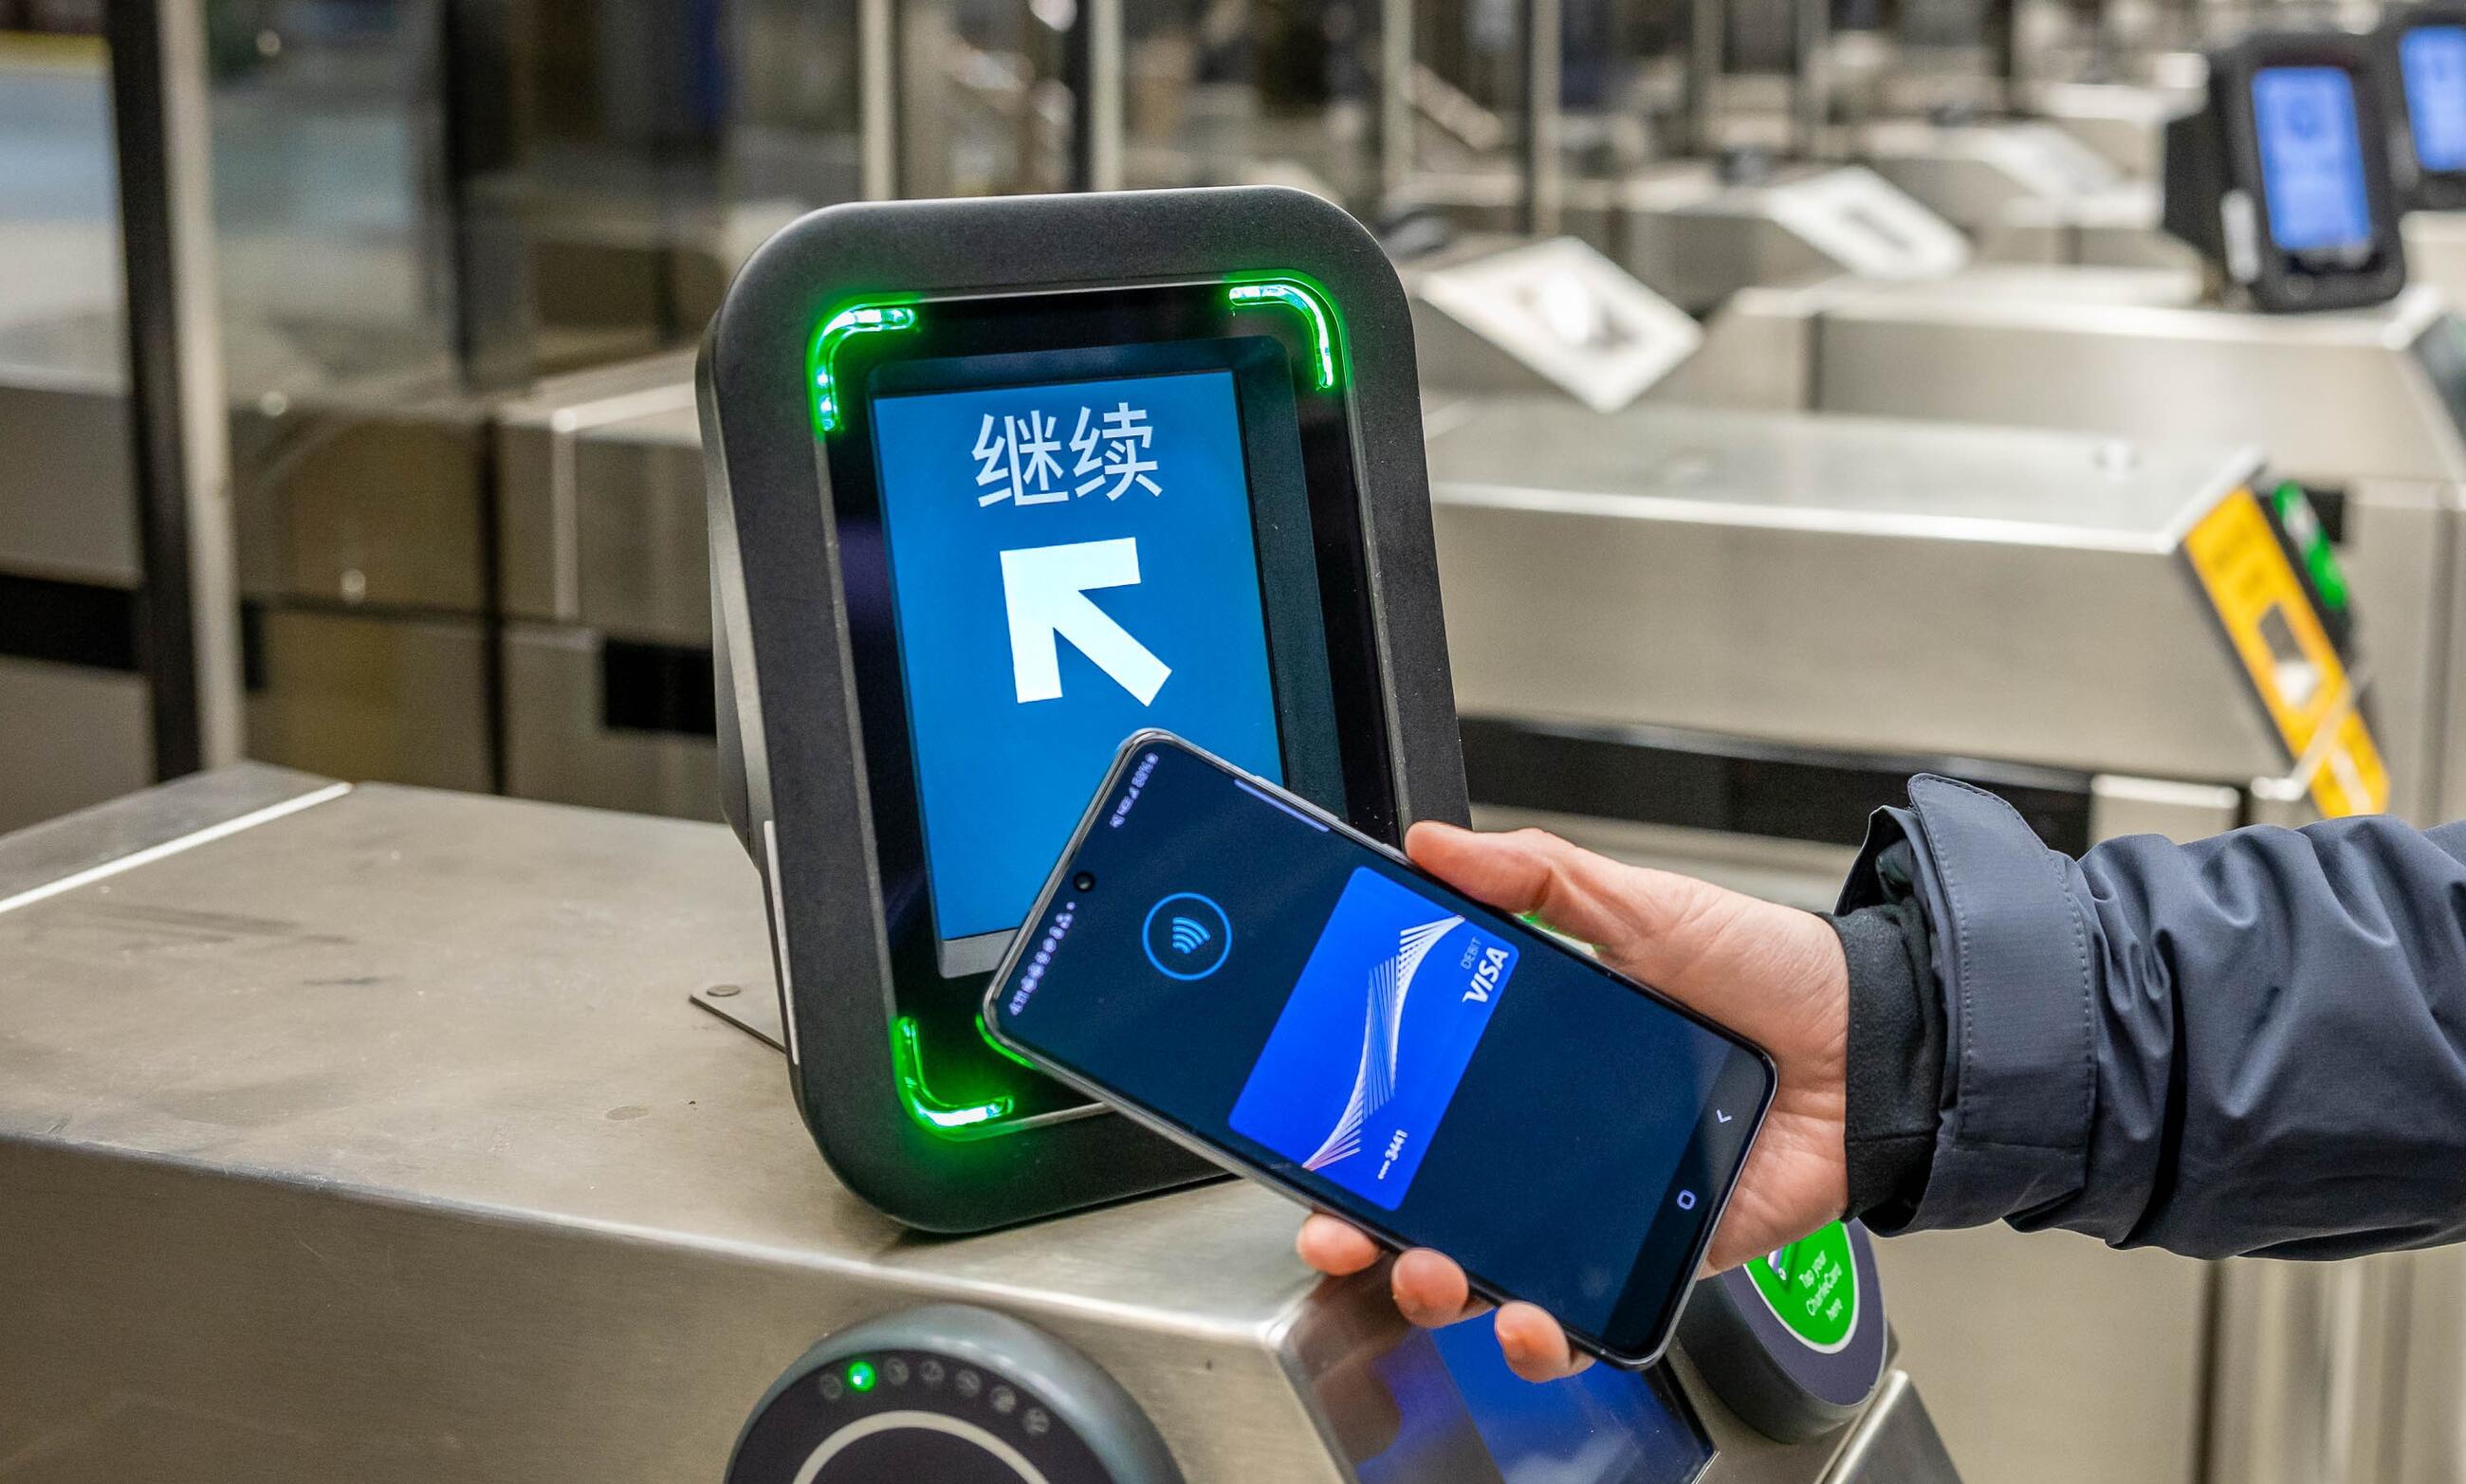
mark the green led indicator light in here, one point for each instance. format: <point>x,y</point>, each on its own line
<point>875,317</point>
<point>950,1119</point>
<point>1305,298</point>
<point>859,1376</point>
<point>2303,526</point>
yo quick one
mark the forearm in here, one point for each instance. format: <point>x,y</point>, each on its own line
<point>2255,1044</point>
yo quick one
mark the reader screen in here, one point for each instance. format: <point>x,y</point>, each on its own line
<point>1069,563</point>
<point>2311,158</point>
<point>2433,59</point>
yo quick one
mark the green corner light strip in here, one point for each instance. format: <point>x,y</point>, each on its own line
<point>1305,298</point>
<point>835,331</point>
<point>952,1120</point>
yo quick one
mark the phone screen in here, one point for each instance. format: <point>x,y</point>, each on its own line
<point>1292,997</point>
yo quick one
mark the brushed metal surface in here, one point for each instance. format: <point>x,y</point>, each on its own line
<point>2049,1358</point>
<point>370,495</point>
<point>141,819</point>
<point>69,737</point>
<point>380,1141</point>
<point>372,696</point>
<point>2181,812</point>
<point>600,503</point>
<point>559,747</point>
<point>2312,1362</point>
<point>2436,252</point>
<point>1970,174</point>
<point>1897,1443</point>
<point>1694,569</point>
<point>2352,401</point>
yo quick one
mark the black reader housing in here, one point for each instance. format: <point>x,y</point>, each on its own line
<point>888,395</point>
<point>2281,180</point>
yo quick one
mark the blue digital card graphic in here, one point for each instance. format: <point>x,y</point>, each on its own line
<point>1376,1035</point>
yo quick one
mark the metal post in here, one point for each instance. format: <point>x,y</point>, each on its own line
<point>1396,114</point>
<point>877,41</point>
<point>1706,54</point>
<point>1543,193</point>
<point>1096,96</point>
<point>1811,91</point>
<point>175,382</point>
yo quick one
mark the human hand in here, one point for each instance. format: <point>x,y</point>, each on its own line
<point>1771,973</point>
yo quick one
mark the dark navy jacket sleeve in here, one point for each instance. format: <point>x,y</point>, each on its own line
<point>2256,1044</point>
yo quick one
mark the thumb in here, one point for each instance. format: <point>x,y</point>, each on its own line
<point>1652,925</point>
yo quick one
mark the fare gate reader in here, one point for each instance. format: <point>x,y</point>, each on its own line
<point>2281,181</point>
<point>2423,78</point>
<point>2423,71</point>
<point>993,485</point>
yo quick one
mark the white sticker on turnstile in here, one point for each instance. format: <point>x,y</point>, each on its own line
<point>1571,316</point>
<point>2046,158</point>
<point>1867,226</point>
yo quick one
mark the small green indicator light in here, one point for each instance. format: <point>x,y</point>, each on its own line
<point>859,1376</point>
<point>1304,298</point>
<point>952,1120</point>
<point>835,330</point>
<point>2303,526</point>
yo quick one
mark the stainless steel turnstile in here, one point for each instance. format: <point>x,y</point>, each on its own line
<point>385,1134</point>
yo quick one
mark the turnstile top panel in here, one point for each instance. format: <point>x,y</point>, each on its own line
<point>2136,301</point>
<point>441,1000</point>
<point>1833,472</point>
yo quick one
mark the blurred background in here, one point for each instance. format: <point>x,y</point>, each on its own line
<point>346,423</point>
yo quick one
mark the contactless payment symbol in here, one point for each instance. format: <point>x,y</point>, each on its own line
<point>1187,935</point>
<point>1380,1028</point>
<point>1811,1286</point>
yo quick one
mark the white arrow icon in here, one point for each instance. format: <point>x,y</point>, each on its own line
<point>1045,590</point>
<point>1719,1115</point>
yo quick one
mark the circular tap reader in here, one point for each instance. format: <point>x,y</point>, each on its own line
<point>952,1394</point>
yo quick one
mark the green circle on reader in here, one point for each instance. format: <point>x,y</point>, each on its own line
<point>1811,1286</point>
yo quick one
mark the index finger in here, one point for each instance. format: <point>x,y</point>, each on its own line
<point>1333,1247</point>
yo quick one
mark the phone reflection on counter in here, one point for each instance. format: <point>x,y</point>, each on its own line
<point>1443,1405</point>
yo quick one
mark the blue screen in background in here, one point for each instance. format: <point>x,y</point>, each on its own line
<point>1069,563</point>
<point>2433,59</point>
<point>2311,158</point>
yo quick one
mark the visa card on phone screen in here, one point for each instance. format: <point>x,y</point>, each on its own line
<point>1224,961</point>
<point>1379,1028</point>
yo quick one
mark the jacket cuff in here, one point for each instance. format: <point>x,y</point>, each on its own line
<point>2010,956</point>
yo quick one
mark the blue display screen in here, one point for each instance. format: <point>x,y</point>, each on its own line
<point>1458,1413</point>
<point>1388,1047</point>
<point>1069,563</point>
<point>2434,59</point>
<point>2311,158</point>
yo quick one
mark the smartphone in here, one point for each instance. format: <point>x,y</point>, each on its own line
<point>1239,970</point>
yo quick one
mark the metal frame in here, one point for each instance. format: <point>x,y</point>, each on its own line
<point>190,612</point>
